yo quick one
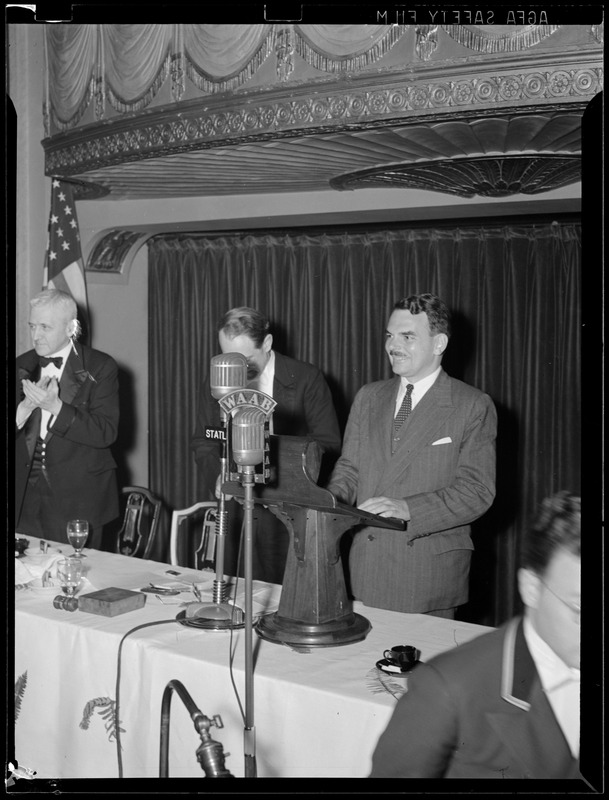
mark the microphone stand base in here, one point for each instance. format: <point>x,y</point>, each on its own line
<point>214,617</point>
<point>291,632</point>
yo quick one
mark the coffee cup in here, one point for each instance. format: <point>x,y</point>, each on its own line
<point>403,656</point>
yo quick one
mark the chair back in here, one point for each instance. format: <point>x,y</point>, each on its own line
<point>192,539</point>
<point>140,522</point>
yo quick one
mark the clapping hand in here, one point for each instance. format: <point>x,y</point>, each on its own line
<point>42,394</point>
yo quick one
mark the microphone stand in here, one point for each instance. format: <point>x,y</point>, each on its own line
<point>249,441</point>
<point>221,615</point>
<point>249,733</point>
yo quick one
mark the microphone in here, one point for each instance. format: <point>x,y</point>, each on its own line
<point>228,372</point>
<point>248,437</point>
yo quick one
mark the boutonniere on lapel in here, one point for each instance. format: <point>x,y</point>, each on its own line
<point>83,375</point>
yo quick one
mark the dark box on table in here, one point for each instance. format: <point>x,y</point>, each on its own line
<point>111,602</point>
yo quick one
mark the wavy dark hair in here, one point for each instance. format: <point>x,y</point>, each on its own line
<point>245,321</point>
<point>557,526</point>
<point>438,313</point>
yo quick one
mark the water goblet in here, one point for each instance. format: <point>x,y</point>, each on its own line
<point>78,532</point>
<point>69,574</point>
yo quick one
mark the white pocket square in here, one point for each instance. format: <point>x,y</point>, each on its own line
<point>445,440</point>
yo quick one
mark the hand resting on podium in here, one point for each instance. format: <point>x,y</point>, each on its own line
<point>386,507</point>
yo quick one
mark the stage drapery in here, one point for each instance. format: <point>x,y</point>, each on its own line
<point>515,295</point>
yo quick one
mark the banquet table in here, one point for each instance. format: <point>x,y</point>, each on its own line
<point>317,712</point>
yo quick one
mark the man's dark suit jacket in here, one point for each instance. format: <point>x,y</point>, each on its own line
<point>477,711</point>
<point>80,466</point>
<point>442,462</point>
<point>304,408</point>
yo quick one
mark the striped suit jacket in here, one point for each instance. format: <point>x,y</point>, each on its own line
<point>442,463</point>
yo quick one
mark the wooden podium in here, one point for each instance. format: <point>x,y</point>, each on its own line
<point>314,609</point>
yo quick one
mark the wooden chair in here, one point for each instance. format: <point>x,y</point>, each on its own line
<point>192,538</point>
<point>140,522</point>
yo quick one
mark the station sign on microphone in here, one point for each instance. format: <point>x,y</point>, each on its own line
<point>249,411</point>
<point>250,398</point>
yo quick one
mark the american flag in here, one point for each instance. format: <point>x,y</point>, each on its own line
<point>64,268</point>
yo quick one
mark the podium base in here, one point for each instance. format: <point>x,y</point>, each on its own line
<point>274,628</point>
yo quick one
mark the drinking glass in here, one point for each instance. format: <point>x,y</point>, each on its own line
<point>78,531</point>
<point>69,574</point>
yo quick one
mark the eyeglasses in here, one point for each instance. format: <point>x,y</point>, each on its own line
<point>575,608</point>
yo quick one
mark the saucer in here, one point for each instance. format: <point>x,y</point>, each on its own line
<point>390,669</point>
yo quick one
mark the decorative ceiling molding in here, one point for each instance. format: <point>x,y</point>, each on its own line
<point>272,115</point>
<point>487,176</point>
<point>308,163</point>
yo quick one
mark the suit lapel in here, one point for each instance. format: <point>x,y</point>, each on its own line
<point>534,737</point>
<point>72,379</point>
<point>429,415</point>
<point>283,383</point>
<point>382,410</point>
<point>527,726</point>
<point>70,382</point>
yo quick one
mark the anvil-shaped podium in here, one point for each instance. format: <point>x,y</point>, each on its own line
<point>314,609</point>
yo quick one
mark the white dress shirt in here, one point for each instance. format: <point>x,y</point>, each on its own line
<point>420,388</point>
<point>264,382</point>
<point>561,685</point>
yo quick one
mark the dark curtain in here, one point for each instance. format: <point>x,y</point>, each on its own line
<point>515,294</point>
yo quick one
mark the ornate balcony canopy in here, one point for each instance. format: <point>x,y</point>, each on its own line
<point>152,111</point>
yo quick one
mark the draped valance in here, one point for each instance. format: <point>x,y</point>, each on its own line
<point>122,68</point>
<point>127,65</point>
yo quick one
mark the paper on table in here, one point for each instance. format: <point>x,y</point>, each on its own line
<point>36,569</point>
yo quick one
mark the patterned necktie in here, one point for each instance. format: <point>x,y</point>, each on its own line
<point>405,408</point>
<point>44,361</point>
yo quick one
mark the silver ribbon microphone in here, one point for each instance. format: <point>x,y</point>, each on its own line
<point>248,437</point>
<point>228,372</point>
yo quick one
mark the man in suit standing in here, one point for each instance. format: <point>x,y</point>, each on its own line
<point>304,408</point>
<point>419,447</point>
<point>67,418</point>
<point>504,705</point>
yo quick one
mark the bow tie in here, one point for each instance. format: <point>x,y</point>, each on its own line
<point>44,361</point>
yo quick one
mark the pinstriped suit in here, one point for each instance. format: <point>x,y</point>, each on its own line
<point>446,485</point>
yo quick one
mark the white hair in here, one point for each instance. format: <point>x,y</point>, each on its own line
<point>64,301</point>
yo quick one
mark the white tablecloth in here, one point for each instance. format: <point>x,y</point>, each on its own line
<point>316,714</point>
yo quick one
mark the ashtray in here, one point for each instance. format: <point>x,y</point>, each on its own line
<point>391,669</point>
<point>21,545</point>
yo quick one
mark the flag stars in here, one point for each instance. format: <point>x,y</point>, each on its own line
<point>52,255</point>
<point>60,232</point>
<point>68,210</point>
<point>54,219</point>
<point>61,196</point>
<point>65,246</point>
